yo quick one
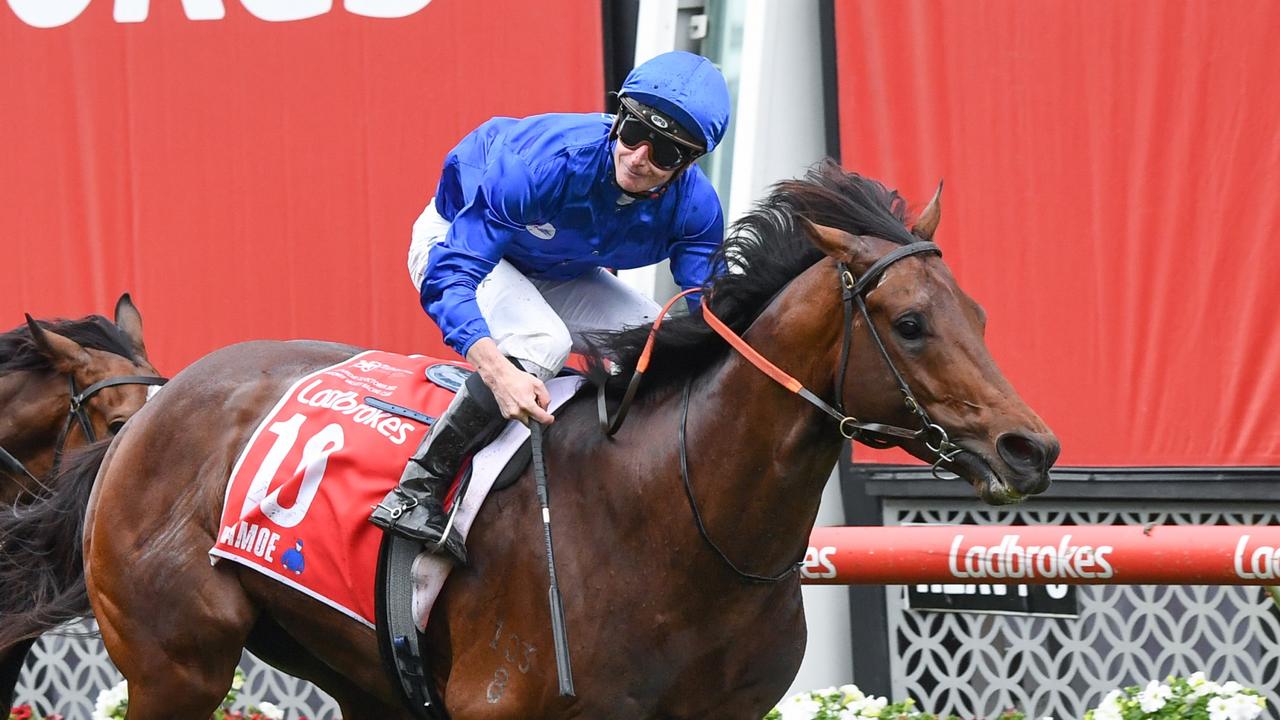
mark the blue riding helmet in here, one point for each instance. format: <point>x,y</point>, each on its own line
<point>688,88</point>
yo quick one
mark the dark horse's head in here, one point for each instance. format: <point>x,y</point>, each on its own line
<point>932,332</point>
<point>43,362</point>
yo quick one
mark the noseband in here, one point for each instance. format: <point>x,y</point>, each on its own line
<point>76,414</point>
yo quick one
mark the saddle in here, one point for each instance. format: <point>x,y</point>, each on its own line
<point>296,500</point>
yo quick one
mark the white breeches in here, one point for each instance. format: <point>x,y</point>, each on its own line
<point>538,322</point>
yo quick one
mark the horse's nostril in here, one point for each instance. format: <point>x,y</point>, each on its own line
<point>1051,457</point>
<point>1022,452</point>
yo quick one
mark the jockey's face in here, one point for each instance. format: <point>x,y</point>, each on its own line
<point>634,170</point>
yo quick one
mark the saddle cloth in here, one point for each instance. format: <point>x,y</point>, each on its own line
<point>300,493</point>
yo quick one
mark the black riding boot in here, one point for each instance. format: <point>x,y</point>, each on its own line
<point>415,508</point>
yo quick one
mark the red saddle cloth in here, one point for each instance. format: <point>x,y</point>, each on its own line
<point>299,498</point>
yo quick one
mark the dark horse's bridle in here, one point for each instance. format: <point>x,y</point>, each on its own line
<point>852,293</point>
<point>76,414</point>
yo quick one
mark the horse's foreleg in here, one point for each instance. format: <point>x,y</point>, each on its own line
<point>173,624</point>
<point>276,647</point>
<point>178,650</point>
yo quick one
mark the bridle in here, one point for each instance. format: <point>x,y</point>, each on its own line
<point>76,414</point>
<point>852,294</point>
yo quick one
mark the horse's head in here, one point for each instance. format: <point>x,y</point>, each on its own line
<point>932,333</point>
<point>92,370</point>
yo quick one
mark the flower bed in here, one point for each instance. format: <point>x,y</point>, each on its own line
<point>113,703</point>
<point>26,712</point>
<point>1190,698</point>
<point>847,702</point>
<point>1193,697</point>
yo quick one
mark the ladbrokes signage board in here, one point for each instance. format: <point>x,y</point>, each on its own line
<point>973,556</point>
<point>52,13</point>
<point>1011,559</point>
<point>252,168</point>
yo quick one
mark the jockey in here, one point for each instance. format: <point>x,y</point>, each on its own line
<point>509,257</point>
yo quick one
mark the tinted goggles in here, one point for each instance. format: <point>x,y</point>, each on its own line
<point>665,151</point>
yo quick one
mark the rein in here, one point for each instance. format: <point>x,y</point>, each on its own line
<point>852,292</point>
<point>697,515</point>
<point>76,414</point>
<point>608,425</point>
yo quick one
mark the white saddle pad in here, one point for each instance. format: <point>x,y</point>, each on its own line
<point>429,570</point>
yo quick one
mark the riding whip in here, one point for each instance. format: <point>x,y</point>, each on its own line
<point>564,669</point>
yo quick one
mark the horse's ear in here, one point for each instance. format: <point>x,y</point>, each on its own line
<point>855,250</point>
<point>64,354</point>
<point>834,242</point>
<point>129,320</point>
<point>927,223</point>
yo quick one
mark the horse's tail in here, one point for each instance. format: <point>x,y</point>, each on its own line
<point>11,662</point>
<point>41,555</point>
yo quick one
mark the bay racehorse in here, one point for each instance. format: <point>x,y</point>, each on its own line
<point>63,384</point>
<point>679,535</point>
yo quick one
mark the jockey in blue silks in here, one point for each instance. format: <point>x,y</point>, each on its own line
<point>509,257</point>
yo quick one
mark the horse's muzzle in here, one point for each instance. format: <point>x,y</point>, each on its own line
<point>1029,457</point>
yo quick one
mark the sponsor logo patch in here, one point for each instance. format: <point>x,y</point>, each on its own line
<point>546,231</point>
<point>449,377</point>
<point>1011,559</point>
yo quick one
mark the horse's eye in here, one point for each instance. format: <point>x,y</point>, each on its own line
<point>910,327</point>
<point>114,426</point>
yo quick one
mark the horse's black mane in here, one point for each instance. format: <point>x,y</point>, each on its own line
<point>764,250</point>
<point>18,352</point>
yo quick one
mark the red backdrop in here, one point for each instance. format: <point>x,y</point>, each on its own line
<point>249,179</point>
<point>1111,173</point>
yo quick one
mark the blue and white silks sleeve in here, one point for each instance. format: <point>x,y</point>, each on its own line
<point>692,251</point>
<point>505,200</point>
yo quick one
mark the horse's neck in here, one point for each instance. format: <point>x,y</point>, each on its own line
<point>760,455</point>
<point>32,405</point>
